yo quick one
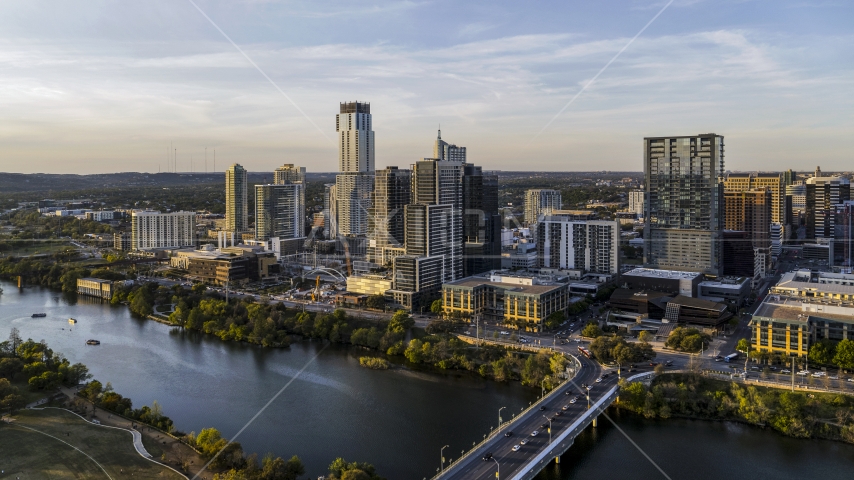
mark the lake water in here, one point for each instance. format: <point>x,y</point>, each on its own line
<point>396,419</point>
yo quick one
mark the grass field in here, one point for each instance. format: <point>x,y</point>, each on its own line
<point>33,455</point>
<point>37,247</point>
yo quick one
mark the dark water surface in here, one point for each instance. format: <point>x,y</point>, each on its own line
<point>396,419</point>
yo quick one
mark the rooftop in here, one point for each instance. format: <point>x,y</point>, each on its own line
<point>796,280</point>
<point>655,273</point>
<point>474,282</point>
<point>794,310</point>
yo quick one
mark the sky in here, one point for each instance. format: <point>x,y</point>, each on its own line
<point>107,86</point>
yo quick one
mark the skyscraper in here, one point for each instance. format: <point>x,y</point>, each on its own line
<point>443,150</point>
<point>540,202</point>
<point>279,211</point>
<point>354,184</point>
<point>355,138</point>
<point>430,232</point>
<point>822,194</point>
<point>289,173</point>
<point>386,220</point>
<point>481,222</point>
<point>236,199</point>
<point>440,182</point>
<point>566,241</point>
<point>750,211</point>
<point>742,182</point>
<point>684,202</point>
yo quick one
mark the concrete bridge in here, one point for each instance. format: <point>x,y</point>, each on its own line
<point>563,422</point>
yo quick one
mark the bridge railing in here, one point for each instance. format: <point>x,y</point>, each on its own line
<point>532,468</point>
<point>516,418</point>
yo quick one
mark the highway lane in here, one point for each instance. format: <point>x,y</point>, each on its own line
<point>501,447</point>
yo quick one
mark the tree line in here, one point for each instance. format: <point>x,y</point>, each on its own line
<point>797,414</point>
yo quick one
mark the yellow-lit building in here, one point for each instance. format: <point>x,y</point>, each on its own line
<point>368,284</point>
<point>95,287</point>
<point>517,302</point>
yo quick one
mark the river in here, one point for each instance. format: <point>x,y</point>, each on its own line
<point>396,419</point>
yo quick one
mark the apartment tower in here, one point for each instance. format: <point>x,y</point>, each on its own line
<point>684,215</point>
<point>236,199</point>
<point>539,202</point>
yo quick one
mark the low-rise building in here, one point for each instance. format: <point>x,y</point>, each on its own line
<point>369,284</point>
<point>669,281</point>
<point>95,287</point>
<point>226,265</point>
<point>518,302</point>
<point>696,311</point>
<point>734,290</point>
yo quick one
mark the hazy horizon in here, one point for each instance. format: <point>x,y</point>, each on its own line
<point>108,87</point>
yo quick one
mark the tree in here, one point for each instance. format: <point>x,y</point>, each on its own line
<point>555,320</point>
<point>376,302</point>
<point>822,352</point>
<point>210,441</point>
<point>645,336</point>
<point>79,373</point>
<point>9,367</point>
<point>592,330</point>
<point>400,322</point>
<point>743,345</point>
<point>436,307</point>
<point>844,357</point>
<point>278,469</point>
<point>14,339</point>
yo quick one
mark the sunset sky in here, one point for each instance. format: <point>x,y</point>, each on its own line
<point>105,86</point>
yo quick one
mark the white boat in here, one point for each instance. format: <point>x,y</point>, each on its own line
<point>72,321</point>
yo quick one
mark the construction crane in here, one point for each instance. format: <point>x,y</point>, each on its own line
<point>315,294</point>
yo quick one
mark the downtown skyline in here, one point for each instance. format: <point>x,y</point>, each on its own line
<point>107,87</point>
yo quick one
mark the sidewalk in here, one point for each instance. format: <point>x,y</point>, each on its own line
<point>174,450</point>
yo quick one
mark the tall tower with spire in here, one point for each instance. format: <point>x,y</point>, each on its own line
<point>443,150</point>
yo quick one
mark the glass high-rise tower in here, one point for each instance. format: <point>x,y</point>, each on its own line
<point>684,214</point>
<point>236,199</point>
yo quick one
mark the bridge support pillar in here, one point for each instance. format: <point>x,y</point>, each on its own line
<point>595,422</point>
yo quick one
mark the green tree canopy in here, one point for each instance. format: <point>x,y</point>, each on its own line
<point>592,330</point>
<point>844,357</point>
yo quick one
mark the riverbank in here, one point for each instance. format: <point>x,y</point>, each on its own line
<point>796,414</point>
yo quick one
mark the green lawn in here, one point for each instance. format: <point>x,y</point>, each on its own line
<point>37,247</point>
<point>37,456</point>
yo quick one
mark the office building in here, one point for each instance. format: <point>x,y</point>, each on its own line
<point>803,308</point>
<point>683,217</point>
<point>843,235</point>
<point>518,302</point>
<point>438,183</point>
<point>151,229</point>
<point>822,194</point>
<point>750,211</point>
<point>386,222</point>
<point>236,199</point>
<point>330,211</point>
<point>540,202</point>
<point>738,253</point>
<point>774,182</point>
<point>430,233</point>
<point>279,211</point>
<point>563,242</point>
<point>667,281</point>
<point>227,265</point>
<point>417,281</point>
<point>636,202</point>
<point>443,150</point>
<point>289,173</point>
<point>481,221</point>
<point>95,287</point>
<point>789,177</point>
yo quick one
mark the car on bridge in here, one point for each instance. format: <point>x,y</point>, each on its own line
<point>487,456</point>
<point>535,433</point>
<point>524,441</point>
<point>508,434</point>
<point>516,448</point>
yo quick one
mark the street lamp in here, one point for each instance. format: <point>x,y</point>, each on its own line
<point>498,472</point>
<point>499,416</point>
<point>550,428</point>
<point>442,457</point>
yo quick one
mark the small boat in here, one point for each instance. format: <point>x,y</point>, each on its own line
<point>72,321</point>
<point>93,342</point>
<point>39,315</point>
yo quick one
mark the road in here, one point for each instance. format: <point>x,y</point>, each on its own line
<point>501,446</point>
